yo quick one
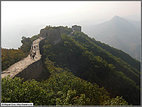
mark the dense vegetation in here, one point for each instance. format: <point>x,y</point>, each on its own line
<point>10,56</point>
<point>120,54</point>
<point>26,43</point>
<point>78,71</point>
<point>62,88</point>
<point>90,61</point>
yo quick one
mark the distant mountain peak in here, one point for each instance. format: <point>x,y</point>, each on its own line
<point>117,18</point>
<point>120,33</point>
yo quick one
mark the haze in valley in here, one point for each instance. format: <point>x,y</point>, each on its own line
<point>26,18</point>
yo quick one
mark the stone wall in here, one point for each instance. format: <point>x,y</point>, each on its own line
<point>53,35</point>
<point>76,28</point>
<point>33,71</point>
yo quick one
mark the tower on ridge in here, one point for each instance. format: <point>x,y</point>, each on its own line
<point>76,28</point>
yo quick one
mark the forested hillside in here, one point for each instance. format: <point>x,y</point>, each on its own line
<point>87,59</point>
<point>120,54</point>
<point>11,56</point>
<point>61,88</point>
<point>81,71</point>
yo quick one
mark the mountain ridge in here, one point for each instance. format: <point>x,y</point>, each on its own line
<point>87,60</point>
<point>120,33</point>
<point>77,63</point>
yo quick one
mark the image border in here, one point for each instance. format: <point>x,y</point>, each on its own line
<point>74,1</point>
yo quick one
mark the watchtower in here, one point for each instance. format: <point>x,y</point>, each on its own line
<point>76,28</point>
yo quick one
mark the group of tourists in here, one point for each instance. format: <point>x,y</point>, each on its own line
<point>33,51</point>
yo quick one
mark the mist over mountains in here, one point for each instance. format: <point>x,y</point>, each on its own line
<point>121,33</point>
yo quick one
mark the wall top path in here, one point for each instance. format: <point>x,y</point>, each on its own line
<point>24,63</point>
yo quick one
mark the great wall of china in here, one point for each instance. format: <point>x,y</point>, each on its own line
<point>26,68</point>
<point>29,68</point>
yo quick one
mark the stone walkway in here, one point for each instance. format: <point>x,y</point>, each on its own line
<point>22,64</point>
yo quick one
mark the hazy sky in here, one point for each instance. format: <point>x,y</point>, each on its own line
<point>26,18</point>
